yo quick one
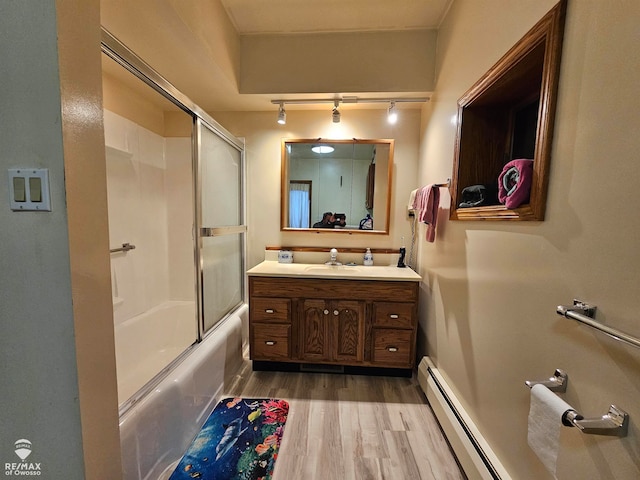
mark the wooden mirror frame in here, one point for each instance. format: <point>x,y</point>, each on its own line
<point>284,204</point>
<point>527,73</point>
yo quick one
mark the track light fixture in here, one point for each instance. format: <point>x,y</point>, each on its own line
<point>335,115</point>
<point>392,114</point>
<point>282,115</point>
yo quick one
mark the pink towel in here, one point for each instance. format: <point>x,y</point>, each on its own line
<point>426,204</point>
<point>514,183</point>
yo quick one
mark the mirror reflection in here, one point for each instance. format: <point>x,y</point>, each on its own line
<point>336,185</point>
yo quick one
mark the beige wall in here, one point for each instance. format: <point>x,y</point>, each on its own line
<point>127,96</point>
<point>263,136</point>
<point>86,203</point>
<point>179,38</point>
<point>401,61</point>
<point>124,101</point>
<point>490,290</point>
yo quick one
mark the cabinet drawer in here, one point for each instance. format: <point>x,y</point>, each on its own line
<point>392,347</point>
<point>270,342</point>
<point>396,315</point>
<point>270,309</point>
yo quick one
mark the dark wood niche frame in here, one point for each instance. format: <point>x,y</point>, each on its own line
<point>527,74</point>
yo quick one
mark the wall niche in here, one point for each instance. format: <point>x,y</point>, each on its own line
<point>509,114</point>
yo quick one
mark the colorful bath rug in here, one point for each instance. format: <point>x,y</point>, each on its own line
<point>239,441</point>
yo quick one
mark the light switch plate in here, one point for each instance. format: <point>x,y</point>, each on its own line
<point>28,200</point>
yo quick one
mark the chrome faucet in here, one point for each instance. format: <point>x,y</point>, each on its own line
<point>334,258</point>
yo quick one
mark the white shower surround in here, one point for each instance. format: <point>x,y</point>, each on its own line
<point>150,194</point>
<point>147,343</point>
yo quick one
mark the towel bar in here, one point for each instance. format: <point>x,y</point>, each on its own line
<point>124,248</point>
<point>447,184</point>
<point>586,317</point>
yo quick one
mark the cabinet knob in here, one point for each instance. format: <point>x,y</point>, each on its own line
<point>394,315</point>
<point>326,312</point>
<point>269,310</point>
<point>336,312</point>
<point>392,349</point>
<point>270,342</point>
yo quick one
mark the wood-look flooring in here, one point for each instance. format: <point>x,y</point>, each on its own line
<point>352,427</point>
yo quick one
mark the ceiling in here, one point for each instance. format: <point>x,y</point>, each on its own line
<point>251,17</point>
<point>167,35</point>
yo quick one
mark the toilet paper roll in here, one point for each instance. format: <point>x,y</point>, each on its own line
<point>545,421</point>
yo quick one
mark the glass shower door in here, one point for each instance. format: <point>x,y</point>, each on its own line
<point>222,229</point>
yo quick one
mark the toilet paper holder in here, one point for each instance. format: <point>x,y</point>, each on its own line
<point>556,383</point>
<point>614,423</point>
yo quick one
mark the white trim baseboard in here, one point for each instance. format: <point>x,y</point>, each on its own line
<point>473,452</point>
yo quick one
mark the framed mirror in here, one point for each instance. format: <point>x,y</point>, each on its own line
<point>336,185</point>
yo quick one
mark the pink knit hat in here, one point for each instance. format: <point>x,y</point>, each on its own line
<point>514,183</point>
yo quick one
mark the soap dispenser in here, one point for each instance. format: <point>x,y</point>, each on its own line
<point>368,258</point>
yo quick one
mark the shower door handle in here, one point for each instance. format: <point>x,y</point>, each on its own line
<point>220,231</point>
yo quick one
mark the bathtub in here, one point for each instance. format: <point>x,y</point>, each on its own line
<point>147,343</point>
<point>156,430</point>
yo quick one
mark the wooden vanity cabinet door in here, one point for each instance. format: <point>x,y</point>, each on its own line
<point>314,330</point>
<point>348,331</point>
<point>332,331</point>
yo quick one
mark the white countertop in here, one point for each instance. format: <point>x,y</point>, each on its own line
<point>270,268</point>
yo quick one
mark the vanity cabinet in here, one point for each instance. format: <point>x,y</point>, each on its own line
<point>368,323</point>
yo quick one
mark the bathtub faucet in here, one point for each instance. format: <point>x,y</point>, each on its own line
<point>334,258</point>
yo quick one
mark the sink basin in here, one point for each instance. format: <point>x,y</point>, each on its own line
<point>333,269</point>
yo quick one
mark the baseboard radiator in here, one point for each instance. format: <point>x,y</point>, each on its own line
<point>474,454</point>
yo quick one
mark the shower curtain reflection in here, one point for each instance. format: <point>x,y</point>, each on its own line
<point>299,204</point>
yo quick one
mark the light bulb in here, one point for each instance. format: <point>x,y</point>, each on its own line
<point>335,115</point>
<point>322,149</point>
<point>282,115</point>
<point>392,114</point>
